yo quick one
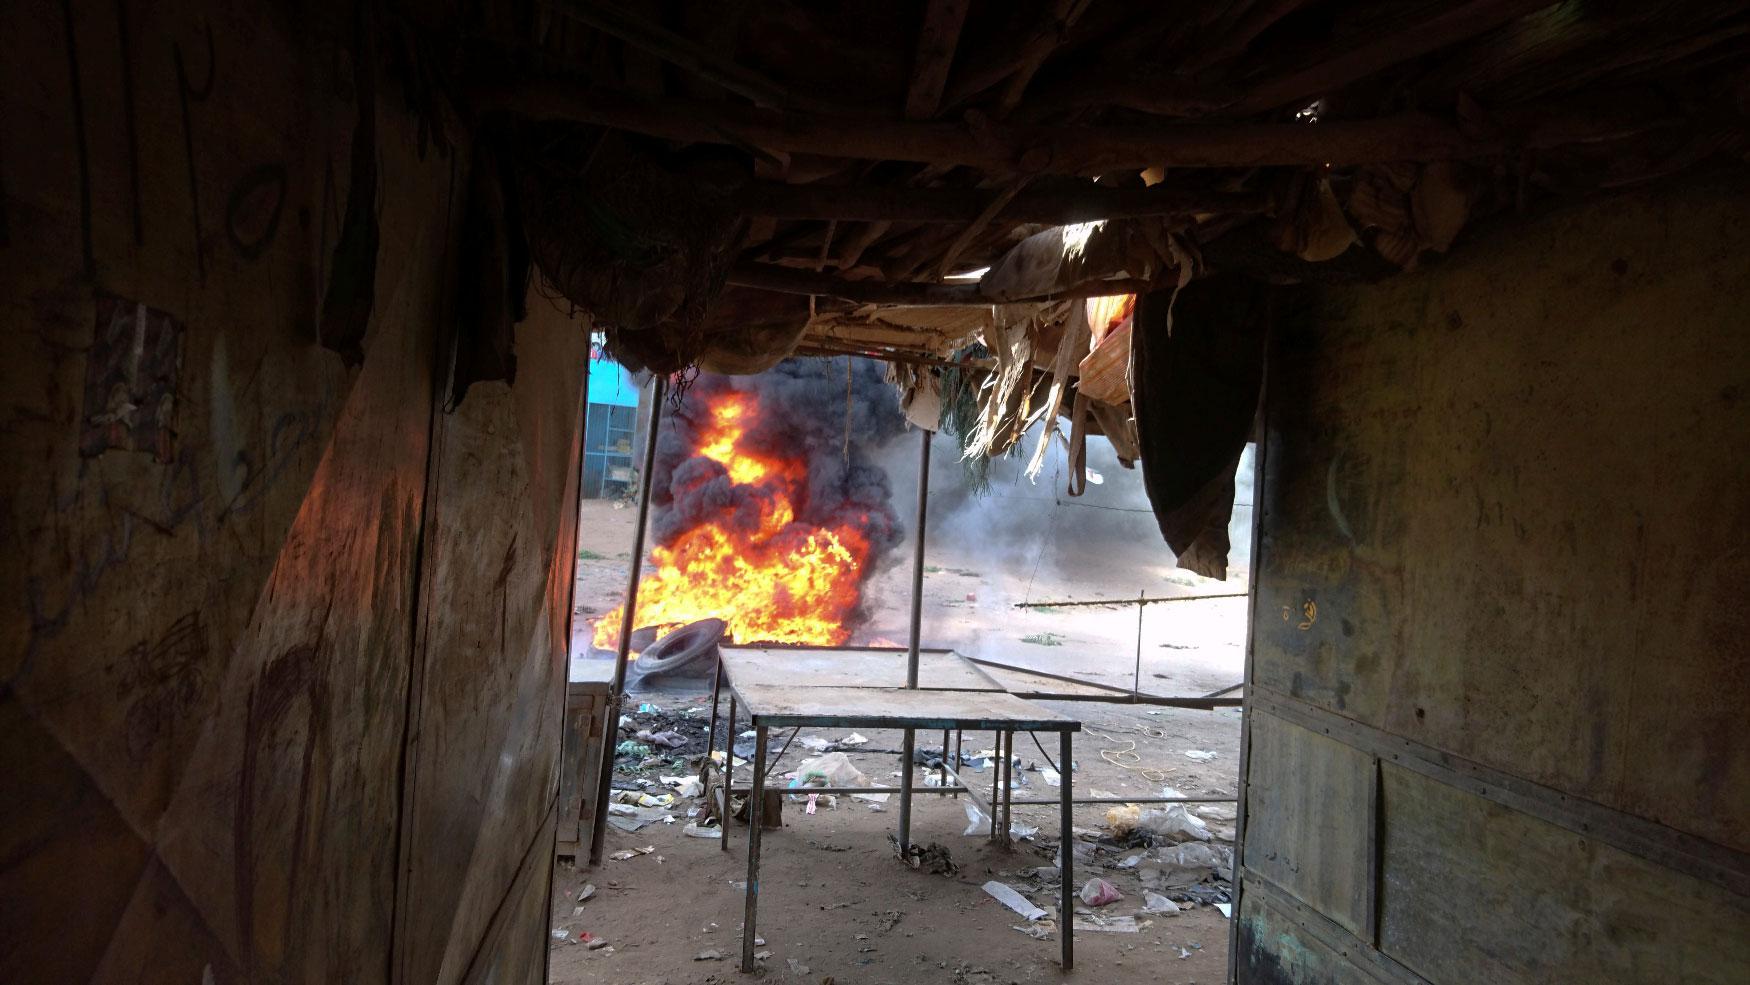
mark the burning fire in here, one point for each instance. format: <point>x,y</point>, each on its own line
<point>782,582</point>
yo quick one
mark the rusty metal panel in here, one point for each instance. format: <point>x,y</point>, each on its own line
<point>1474,892</point>
<point>1308,803</point>
<point>1491,533</point>
<point>1497,494</point>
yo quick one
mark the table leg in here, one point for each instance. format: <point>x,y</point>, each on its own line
<point>1008,786</point>
<point>996,783</point>
<point>944,769</point>
<point>728,779</point>
<point>958,760</point>
<point>755,801</point>
<point>716,692</point>
<point>905,773</point>
<point>1066,904</point>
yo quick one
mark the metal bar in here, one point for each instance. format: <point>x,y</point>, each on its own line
<point>853,790</point>
<point>1066,847</point>
<point>905,775</point>
<point>1202,704</point>
<point>970,793</point>
<point>728,774</point>
<point>1135,601</point>
<point>786,748</point>
<point>1136,675</point>
<point>1226,690</point>
<point>716,697</point>
<point>754,803</point>
<point>1035,801</point>
<point>957,749</point>
<point>616,690</point>
<point>917,561</point>
<point>996,782</point>
<point>945,756</point>
<point>1008,785</point>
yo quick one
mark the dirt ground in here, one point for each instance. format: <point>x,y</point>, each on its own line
<point>834,899</point>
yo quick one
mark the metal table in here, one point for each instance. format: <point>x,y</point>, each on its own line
<point>851,687</point>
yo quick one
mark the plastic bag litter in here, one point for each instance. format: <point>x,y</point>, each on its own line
<point>815,743</point>
<point>978,821</point>
<point>1156,903</point>
<point>1192,863</point>
<point>830,770</point>
<point>1050,776</point>
<point>853,740</point>
<point>1008,897</point>
<point>1200,755</point>
<point>1099,892</point>
<point>693,830</point>
<point>1173,824</point>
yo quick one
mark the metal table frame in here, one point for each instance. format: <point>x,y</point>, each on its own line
<point>999,809</point>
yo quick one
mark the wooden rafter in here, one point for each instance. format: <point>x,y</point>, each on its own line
<point>1065,201</point>
<point>791,280</point>
<point>998,147</point>
<point>937,41</point>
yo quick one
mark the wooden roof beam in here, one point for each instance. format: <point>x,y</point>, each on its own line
<point>1062,202</point>
<point>937,41</point>
<point>1000,147</point>
<point>792,280</point>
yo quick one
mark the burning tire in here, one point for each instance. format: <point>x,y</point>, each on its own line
<point>690,651</point>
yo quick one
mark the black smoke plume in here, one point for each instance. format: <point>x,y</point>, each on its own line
<point>803,413</point>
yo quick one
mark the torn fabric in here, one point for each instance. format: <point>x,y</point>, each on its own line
<point>1195,394</point>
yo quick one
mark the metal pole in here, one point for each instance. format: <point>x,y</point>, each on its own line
<point>917,562</point>
<point>616,694</point>
<point>917,629</point>
<point>728,777</point>
<point>1070,603</point>
<point>1066,844</point>
<point>1136,676</point>
<point>754,819</point>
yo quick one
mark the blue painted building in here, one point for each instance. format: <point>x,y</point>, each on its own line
<point>608,427</point>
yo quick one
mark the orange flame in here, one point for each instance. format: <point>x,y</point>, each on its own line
<point>788,582</point>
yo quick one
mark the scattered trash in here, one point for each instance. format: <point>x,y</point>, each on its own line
<point>1099,892</point>
<point>1130,862</point>
<point>694,830</point>
<point>890,919</point>
<point>813,799</point>
<point>622,810</point>
<point>761,955</point>
<point>630,747</point>
<point>646,708</point>
<point>624,854</point>
<point>668,739</point>
<point>977,821</point>
<point>815,743</point>
<point>830,770</point>
<point>1227,909</point>
<point>1183,954</point>
<point>584,894</point>
<point>1108,925</point>
<point>710,954</point>
<point>685,787</point>
<point>1051,777</point>
<point>749,734</point>
<point>561,935</point>
<point>933,858</point>
<point>796,967</point>
<point>853,740</point>
<point>598,944</point>
<point>1200,755</point>
<point>1154,902</point>
<point>1039,931</point>
<point>1174,824</point>
<point>1009,897</point>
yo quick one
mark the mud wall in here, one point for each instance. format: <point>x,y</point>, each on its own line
<point>283,639</point>
<point>1496,724</point>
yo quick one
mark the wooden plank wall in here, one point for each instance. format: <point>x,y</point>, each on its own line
<point>1499,674</point>
<point>238,614</point>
